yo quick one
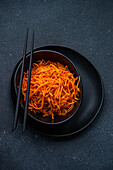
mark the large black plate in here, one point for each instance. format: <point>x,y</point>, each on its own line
<point>92,95</point>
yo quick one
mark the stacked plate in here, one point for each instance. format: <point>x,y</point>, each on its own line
<point>85,110</point>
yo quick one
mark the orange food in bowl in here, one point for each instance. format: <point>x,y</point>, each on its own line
<point>53,88</point>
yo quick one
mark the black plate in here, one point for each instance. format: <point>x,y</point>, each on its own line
<point>92,97</point>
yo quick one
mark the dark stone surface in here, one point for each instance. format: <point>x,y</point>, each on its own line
<point>85,26</point>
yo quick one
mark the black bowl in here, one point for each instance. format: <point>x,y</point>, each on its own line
<point>54,57</point>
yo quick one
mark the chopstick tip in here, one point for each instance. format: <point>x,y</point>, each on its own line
<point>13,129</point>
<point>23,130</point>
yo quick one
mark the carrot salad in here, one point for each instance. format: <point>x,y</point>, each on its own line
<point>53,88</point>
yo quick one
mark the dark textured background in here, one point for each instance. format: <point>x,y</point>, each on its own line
<point>85,26</point>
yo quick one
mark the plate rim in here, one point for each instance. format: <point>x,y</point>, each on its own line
<point>101,81</point>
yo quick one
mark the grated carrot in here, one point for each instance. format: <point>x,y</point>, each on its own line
<point>53,88</point>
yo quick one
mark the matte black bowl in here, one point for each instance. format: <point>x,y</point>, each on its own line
<point>54,57</point>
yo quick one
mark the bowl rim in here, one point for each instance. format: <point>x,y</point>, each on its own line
<point>81,86</point>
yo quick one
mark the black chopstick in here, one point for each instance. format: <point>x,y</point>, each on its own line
<point>20,83</point>
<point>28,84</point>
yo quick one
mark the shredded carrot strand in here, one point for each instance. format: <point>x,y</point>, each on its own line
<point>53,88</point>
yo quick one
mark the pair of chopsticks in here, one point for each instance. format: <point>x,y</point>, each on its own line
<point>20,83</point>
